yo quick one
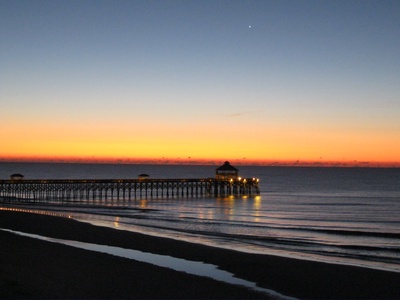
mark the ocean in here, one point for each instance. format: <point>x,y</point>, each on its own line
<point>337,215</point>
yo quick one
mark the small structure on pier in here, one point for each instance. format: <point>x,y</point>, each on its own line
<point>16,176</point>
<point>227,172</point>
<point>144,176</point>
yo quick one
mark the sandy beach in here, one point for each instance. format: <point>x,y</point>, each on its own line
<point>33,268</point>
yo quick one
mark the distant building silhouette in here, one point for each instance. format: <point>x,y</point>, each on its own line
<point>226,172</point>
<point>16,176</point>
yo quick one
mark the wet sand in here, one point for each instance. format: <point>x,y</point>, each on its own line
<point>31,268</point>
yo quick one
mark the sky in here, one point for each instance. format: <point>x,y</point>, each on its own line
<point>256,82</point>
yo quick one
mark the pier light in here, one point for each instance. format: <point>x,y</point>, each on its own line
<point>245,180</point>
<point>240,178</point>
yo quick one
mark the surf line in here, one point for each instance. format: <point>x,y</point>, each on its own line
<point>177,264</point>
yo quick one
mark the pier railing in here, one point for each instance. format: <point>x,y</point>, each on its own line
<point>99,189</point>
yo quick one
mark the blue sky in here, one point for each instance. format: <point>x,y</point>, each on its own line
<point>307,69</point>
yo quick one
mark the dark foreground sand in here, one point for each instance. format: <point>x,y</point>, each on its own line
<point>31,268</point>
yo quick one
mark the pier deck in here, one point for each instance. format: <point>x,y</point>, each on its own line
<point>103,189</point>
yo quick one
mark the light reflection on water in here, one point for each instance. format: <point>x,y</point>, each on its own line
<point>177,264</point>
<point>262,225</point>
<point>37,211</point>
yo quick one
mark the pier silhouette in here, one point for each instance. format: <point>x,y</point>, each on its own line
<point>226,183</point>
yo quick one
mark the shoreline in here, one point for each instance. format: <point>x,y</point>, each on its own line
<point>112,223</point>
<point>287,276</point>
<point>225,246</point>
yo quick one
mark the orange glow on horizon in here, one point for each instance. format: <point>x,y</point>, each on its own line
<point>199,161</point>
<point>212,143</point>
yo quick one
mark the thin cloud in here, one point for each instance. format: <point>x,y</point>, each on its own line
<point>242,113</point>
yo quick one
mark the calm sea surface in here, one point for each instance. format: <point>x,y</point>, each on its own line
<point>339,215</point>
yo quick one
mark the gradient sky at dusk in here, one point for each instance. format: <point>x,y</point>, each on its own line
<point>315,81</point>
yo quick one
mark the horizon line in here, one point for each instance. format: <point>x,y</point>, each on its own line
<point>206,162</point>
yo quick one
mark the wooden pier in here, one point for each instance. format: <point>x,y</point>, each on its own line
<point>126,189</point>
